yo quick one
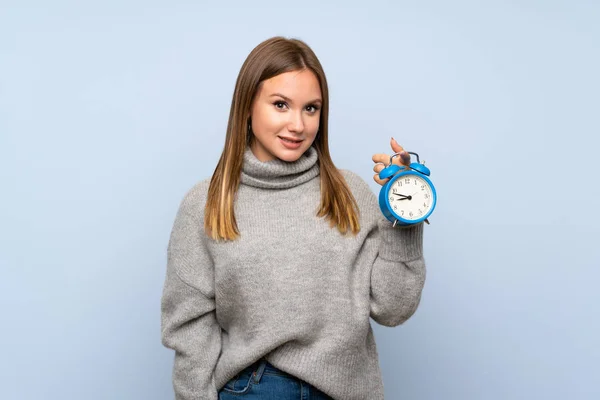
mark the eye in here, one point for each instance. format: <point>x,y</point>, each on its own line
<point>312,108</point>
<point>280,104</point>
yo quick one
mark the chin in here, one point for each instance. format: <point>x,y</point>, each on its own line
<point>290,155</point>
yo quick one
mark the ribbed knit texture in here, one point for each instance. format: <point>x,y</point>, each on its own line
<point>290,289</point>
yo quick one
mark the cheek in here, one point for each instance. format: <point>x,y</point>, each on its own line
<point>265,120</point>
<point>313,125</point>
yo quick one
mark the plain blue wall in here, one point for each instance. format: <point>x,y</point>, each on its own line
<point>109,112</point>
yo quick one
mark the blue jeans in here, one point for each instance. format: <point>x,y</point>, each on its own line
<point>263,381</point>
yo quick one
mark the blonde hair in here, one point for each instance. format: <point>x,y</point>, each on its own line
<point>272,57</point>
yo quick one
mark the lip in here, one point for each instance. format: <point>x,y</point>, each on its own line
<point>290,145</point>
<point>292,139</point>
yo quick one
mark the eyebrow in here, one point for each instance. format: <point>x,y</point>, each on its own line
<point>290,100</point>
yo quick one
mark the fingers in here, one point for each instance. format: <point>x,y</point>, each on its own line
<point>403,159</point>
<point>381,160</point>
<point>380,181</point>
<point>378,167</point>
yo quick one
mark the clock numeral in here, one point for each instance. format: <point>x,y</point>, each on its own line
<point>395,207</point>
<point>394,190</point>
<point>426,195</point>
<point>406,180</point>
<point>410,213</point>
<point>402,212</point>
<point>424,204</point>
<point>422,187</point>
<point>391,199</point>
<point>420,212</point>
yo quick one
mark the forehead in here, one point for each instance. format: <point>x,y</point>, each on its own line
<point>298,84</point>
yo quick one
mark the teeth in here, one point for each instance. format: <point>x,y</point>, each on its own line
<point>291,141</point>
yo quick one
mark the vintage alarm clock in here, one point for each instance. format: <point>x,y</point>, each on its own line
<point>408,197</point>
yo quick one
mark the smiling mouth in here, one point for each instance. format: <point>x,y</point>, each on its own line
<point>289,140</point>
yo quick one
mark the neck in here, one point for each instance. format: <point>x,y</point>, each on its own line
<point>279,174</point>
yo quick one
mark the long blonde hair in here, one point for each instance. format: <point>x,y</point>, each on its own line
<point>272,57</point>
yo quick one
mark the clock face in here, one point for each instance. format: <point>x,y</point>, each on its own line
<point>410,197</point>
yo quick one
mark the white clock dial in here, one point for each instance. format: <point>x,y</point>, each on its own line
<point>410,197</point>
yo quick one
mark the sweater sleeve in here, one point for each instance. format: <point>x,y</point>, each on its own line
<point>396,257</point>
<point>188,320</point>
<point>398,273</point>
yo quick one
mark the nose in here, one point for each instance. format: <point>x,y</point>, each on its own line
<point>296,123</point>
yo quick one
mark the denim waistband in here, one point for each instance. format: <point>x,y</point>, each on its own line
<point>267,367</point>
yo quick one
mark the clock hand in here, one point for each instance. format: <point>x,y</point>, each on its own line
<point>404,197</point>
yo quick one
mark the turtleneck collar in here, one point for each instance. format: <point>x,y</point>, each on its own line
<point>279,174</point>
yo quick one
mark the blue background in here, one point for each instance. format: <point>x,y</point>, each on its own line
<point>110,111</point>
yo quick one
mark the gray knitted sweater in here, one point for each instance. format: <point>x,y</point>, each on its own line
<point>290,289</point>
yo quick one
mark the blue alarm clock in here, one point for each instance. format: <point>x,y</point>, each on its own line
<point>408,197</point>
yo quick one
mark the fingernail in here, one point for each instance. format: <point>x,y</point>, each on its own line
<point>393,139</point>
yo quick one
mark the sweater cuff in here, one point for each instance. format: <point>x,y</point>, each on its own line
<point>400,243</point>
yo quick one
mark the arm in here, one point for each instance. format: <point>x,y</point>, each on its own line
<point>395,255</point>
<point>188,318</point>
<point>398,273</point>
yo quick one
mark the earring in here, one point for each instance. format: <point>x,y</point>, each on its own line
<point>249,127</point>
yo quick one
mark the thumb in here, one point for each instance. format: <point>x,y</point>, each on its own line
<point>404,156</point>
<point>395,146</point>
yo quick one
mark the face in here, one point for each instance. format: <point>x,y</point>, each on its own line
<point>285,116</point>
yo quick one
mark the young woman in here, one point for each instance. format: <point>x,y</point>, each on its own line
<point>276,263</point>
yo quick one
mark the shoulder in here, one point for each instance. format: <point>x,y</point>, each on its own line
<point>365,197</point>
<point>194,199</point>
<point>358,186</point>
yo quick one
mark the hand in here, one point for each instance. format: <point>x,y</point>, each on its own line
<point>381,160</point>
